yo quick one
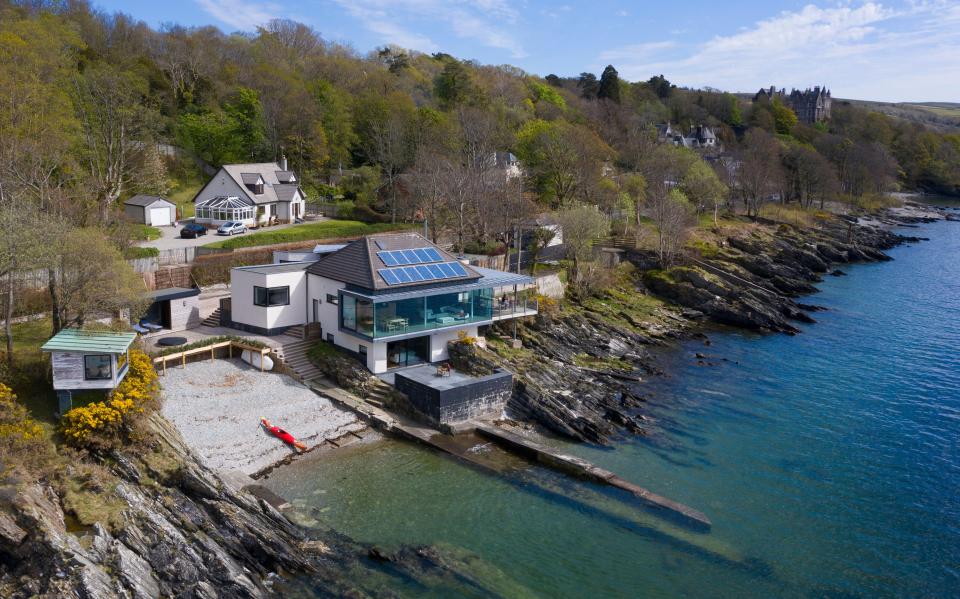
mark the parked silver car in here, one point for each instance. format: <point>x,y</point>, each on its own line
<point>231,228</point>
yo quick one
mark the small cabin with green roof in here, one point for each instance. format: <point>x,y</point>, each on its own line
<point>87,360</point>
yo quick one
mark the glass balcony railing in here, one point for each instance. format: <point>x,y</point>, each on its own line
<point>401,317</point>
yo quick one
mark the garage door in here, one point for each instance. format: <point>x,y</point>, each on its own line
<point>159,216</point>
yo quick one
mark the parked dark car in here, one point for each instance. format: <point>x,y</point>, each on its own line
<point>192,231</point>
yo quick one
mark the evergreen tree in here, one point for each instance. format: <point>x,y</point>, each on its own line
<point>609,84</point>
<point>588,85</point>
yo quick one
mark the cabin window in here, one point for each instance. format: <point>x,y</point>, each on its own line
<point>271,296</point>
<point>97,367</point>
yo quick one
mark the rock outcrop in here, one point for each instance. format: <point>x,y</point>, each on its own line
<point>183,532</point>
<point>751,281</point>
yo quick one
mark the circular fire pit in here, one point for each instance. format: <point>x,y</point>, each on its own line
<point>172,341</point>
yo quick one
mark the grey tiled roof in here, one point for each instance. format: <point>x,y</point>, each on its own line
<point>145,200</point>
<point>285,176</point>
<point>358,262</point>
<point>245,174</point>
<point>285,191</point>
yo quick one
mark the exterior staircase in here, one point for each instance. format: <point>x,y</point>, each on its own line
<point>213,320</point>
<point>293,354</point>
<point>379,395</point>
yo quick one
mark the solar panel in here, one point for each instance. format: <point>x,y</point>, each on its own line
<point>414,274</point>
<point>405,257</point>
<point>422,272</point>
<point>387,258</point>
<point>402,275</point>
<point>389,276</point>
<point>425,273</point>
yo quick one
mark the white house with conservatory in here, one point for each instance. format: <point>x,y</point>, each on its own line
<point>394,300</point>
<point>252,194</point>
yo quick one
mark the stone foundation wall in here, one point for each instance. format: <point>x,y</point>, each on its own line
<point>485,397</point>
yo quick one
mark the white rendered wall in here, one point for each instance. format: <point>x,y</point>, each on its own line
<point>243,310</point>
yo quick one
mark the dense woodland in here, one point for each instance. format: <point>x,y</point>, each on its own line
<point>96,107</point>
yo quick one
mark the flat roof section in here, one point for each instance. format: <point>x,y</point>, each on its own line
<point>267,269</point>
<point>172,293</point>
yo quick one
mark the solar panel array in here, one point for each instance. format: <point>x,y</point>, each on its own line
<point>415,256</point>
<point>426,272</point>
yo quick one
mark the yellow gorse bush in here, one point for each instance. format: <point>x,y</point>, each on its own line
<point>16,427</point>
<point>81,425</point>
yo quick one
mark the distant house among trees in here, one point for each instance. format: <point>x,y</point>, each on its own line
<point>810,106</point>
<point>700,136</point>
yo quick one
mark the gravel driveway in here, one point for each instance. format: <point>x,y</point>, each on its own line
<point>216,405</point>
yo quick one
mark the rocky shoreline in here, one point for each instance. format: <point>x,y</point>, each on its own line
<point>752,280</point>
<point>172,527</point>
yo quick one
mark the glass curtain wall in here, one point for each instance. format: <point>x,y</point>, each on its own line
<point>422,313</point>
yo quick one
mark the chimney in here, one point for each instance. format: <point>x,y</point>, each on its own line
<point>283,162</point>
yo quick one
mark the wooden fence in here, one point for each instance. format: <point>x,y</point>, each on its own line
<point>211,350</point>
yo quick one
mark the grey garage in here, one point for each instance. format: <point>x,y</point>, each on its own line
<point>150,210</point>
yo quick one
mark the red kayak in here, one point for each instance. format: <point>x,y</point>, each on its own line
<point>282,435</point>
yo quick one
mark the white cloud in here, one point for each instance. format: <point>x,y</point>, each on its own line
<point>242,14</point>
<point>479,20</point>
<point>864,50</point>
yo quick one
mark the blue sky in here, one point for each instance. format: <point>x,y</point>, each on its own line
<point>890,51</point>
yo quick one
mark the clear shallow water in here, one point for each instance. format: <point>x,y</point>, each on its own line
<point>829,463</point>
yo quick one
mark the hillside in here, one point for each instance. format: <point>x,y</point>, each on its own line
<point>940,116</point>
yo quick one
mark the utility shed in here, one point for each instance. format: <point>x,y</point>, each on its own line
<point>84,360</point>
<point>174,308</point>
<point>150,210</point>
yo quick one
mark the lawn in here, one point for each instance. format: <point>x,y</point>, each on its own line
<point>182,191</point>
<point>145,232</point>
<point>328,229</point>
<point>29,381</point>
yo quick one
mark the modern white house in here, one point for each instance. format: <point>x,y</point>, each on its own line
<point>150,210</point>
<point>253,194</point>
<point>394,300</point>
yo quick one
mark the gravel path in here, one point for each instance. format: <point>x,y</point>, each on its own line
<point>217,405</point>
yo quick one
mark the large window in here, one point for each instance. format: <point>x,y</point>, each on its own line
<point>271,296</point>
<point>421,313</point>
<point>224,209</point>
<point>356,315</point>
<point>97,367</point>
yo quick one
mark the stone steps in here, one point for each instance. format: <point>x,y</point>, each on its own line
<point>213,320</point>
<point>294,356</point>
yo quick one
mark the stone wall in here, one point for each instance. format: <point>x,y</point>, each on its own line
<point>484,397</point>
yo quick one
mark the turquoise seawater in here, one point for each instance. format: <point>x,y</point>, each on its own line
<point>829,463</point>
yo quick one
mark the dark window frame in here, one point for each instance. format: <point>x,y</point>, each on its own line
<point>267,297</point>
<point>86,369</point>
<point>333,299</point>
